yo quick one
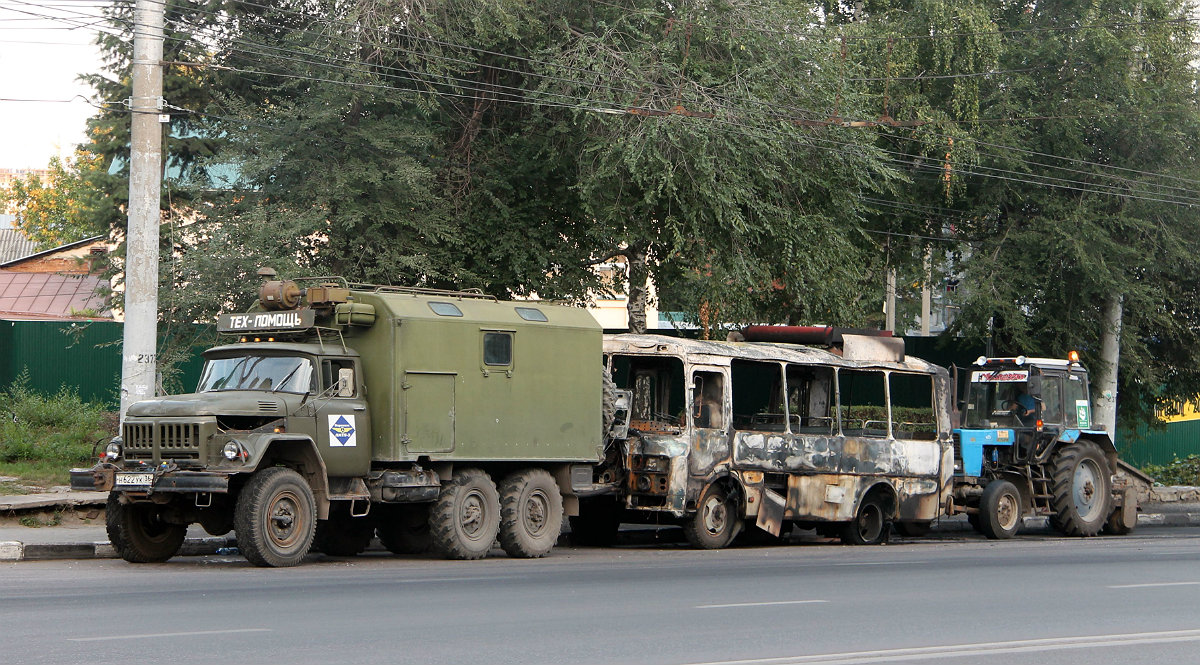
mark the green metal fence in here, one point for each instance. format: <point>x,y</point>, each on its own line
<point>84,356</point>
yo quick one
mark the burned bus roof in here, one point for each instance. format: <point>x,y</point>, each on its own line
<point>721,352</point>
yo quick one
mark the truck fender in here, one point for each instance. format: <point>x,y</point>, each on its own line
<point>300,453</point>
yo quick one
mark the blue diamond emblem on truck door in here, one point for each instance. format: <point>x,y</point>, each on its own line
<point>341,430</point>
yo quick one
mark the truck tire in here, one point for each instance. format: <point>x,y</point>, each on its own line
<point>716,522</point>
<point>404,529</point>
<point>869,527</point>
<point>137,532</point>
<point>465,518</point>
<point>341,534</point>
<point>1082,489</point>
<point>531,512</point>
<point>597,524</point>
<point>1000,510</point>
<point>275,519</point>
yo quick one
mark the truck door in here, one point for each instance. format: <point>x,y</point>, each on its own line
<point>343,424</point>
<point>429,406</point>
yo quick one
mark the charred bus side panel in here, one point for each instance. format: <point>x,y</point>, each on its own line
<point>723,433</point>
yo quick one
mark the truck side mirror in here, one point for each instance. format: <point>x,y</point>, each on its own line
<point>345,384</point>
<point>1035,386</point>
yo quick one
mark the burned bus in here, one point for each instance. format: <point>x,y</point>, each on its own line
<point>847,440</point>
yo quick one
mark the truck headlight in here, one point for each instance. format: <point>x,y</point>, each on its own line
<point>233,450</point>
<point>113,450</point>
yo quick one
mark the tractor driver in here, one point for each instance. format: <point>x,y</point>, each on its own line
<point>1024,407</point>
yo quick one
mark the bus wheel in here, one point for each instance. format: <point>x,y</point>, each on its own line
<point>531,512</point>
<point>869,527</point>
<point>465,518</point>
<point>1082,489</point>
<point>1000,510</point>
<point>716,522</point>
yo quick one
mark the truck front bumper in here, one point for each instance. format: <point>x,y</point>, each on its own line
<point>107,478</point>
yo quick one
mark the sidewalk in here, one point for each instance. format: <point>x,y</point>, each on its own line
<point>1172,506</point>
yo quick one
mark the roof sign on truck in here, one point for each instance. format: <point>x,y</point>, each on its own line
<point>1001,376</point>
<point>266,321</point>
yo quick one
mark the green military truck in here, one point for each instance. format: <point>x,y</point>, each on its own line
<point>433,419</point>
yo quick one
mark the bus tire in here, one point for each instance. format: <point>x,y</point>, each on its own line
<point>870,525</point>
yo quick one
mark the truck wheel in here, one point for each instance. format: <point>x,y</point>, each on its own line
<point>275,518</point>
<point>869,527</point>
<point>597,524</point>
<point>716,522</point>
<point>466,516</point>
<point>138,533</point>
<point>531,512</point>
<point>404,529</point>
<point>1082,489</point>
<point>1000,510</point>
<point>343,535</point>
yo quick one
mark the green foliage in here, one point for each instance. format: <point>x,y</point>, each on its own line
<point>1184,471</point>
<point>58,429</point>
<point>53,213</point>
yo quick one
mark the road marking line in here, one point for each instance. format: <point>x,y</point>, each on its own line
<point>1152,584</point>
<point>976,649</point>
<point>877,563</point>
<point>147,636</point>
<point>771,602</point>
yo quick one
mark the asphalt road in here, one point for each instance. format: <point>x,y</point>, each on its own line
<point>1035,599</point>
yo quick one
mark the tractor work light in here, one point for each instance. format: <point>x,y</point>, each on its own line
<point>1073,356</point>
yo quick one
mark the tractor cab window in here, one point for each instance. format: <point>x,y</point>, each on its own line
<point>1077,407</point>
<point>1052,404</point>
<point>999,399</point>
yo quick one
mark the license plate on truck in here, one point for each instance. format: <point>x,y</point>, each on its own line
<point>135,479</point>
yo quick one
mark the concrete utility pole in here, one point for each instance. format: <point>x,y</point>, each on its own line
<point>140,346</point>
<point>1104,387</point>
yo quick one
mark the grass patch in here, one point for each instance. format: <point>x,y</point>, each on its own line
<point>42,436</point>
<point>9,488</point>
<point>1184,471</point>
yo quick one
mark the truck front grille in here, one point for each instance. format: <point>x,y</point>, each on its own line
<point>174,441</point>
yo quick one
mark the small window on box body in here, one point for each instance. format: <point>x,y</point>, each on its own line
<point>531,314</point>
<point>445,309</point>
<point>497,349</point>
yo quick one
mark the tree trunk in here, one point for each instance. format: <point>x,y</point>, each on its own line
<point>1104,395</point>
<point>638,276</point>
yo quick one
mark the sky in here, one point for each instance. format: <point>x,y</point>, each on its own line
<point>40,59</point>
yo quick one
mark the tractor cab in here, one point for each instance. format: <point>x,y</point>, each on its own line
<point>1015,409</point>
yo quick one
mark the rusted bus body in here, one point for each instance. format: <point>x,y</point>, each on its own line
<point>799,434</point>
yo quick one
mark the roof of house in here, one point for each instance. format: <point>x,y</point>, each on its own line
<point>14,245</point>
<point>53,250</point>
<point>47,295</point>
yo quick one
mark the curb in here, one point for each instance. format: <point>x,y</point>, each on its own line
<point>13,550</point>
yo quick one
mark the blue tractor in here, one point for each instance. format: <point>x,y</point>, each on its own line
<point>1027,445</point>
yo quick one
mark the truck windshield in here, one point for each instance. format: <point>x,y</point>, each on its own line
<point>998,401</point>
<point>287,374</point>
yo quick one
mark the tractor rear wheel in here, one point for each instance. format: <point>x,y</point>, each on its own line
<point>1082,489</point>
